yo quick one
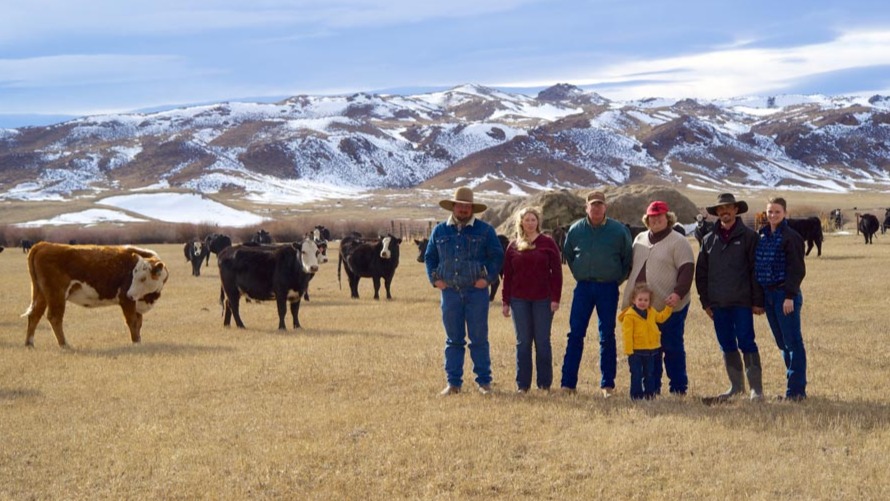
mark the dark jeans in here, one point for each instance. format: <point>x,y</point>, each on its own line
<point>465,315</point>
<point>674,353</point>
<point>786,331</point>
<point>735,329</point>
<point>602,296</point>
<point>642,373</point>
<point>532,321</point>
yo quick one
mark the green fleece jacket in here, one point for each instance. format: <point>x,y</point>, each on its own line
<point>601,253</point>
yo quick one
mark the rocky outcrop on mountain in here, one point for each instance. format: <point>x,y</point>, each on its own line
<point>564,137</point>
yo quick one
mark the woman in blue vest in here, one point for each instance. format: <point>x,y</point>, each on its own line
<point>779,268</point>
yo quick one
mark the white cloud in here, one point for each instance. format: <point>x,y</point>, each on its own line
<point>735,72</point>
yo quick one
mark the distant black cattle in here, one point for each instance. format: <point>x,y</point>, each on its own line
<point>26,246</point>
<point>559,236</point>
<point>261,237</point>
<point>1,248</point>
<point>702,228</point>
<point>836,219</point>
<point>886,223</point>
<point>376,259</point>
<point>635,230</point>
<point>195,253</point>
<point>811,230</point>
<point>868,226</point>
<point>265,272</point>
<point>321,233</point>
<point>215,242</point>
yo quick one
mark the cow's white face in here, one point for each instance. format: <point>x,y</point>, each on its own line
<point>149,276</point>
<point>385,253</point>
<point>322,252</point>
<point>309,256</point>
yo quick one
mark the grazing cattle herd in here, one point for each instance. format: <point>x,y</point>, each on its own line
<point>132,277</point>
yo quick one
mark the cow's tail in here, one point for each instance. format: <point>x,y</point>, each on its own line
<point>34,290</point>
<point>339,263</point>
<point>222,300</point>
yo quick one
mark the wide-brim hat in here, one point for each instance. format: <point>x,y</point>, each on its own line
<point>726,199</point>
<point>462,195</point>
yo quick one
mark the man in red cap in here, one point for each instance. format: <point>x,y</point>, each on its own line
<point>663,259</point>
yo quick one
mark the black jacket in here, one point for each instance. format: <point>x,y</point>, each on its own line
<point>724,272</point>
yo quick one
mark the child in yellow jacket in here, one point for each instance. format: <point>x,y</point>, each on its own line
<point>642,340</point>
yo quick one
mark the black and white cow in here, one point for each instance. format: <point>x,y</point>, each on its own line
<point>810,229</point>
<point>195,253</point>
<point>886,223</point>
<point>868,226</point>
<point>702,228</point>
<point>321,233</point>
<point>495,284</point>
<point>215,242</point>
<point>264,272</point>
<point>322,258</point>
<point>376,259</point>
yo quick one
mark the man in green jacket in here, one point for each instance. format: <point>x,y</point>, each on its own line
<point>598,251</point>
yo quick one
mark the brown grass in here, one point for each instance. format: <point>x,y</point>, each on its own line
<point>347,407</point>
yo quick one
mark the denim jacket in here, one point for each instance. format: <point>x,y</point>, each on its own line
<point>462,256</point>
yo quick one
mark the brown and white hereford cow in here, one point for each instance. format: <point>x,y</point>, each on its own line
<point>91,276</point>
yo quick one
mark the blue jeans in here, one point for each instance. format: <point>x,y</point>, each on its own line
<point>735,328</point>
<point>674,353</point>
<point>589,295</point>
<point>642,373</point>
<point>465,315</point>
<point>532,321</point>
<point>786,331</point>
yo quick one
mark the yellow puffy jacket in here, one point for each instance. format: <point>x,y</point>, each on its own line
<point>642,333</point>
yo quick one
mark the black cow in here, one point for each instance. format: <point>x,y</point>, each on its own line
<point>26,246</point>
<point>811,230</point>
<point>421,248</point>
<point>215,243</point>
<point>1,248</point>
<point>702,228</point>
<point>868,226</point>
<point>497,280</point>
<point>559,236</point>
<point>886,223</point>
<point>377,259</point>
<point>261,237</point>
<point>195,253</point>
<point>321,233</point>
<point>264,272</point>
<point>635,230</point>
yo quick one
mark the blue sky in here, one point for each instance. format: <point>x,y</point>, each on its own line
<point>81,57</point>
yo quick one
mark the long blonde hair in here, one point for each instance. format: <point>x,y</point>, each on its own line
<point>522,242</point>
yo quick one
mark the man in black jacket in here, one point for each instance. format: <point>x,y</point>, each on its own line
<point>724,277</point>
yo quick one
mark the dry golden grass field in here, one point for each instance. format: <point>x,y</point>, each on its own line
<point>347,407</point>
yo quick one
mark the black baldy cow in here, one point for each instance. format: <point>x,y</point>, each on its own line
<point>373,260</point>
<point>264,272</point>
<point>92,276</point>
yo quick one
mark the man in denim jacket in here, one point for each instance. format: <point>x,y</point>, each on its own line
<point>463,257</point>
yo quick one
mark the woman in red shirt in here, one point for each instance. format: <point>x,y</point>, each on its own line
<point>531,291</point>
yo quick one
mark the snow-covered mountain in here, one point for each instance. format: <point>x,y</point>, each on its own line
<point>563,137</point>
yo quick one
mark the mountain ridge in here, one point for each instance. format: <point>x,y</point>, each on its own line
<point>565,137</point>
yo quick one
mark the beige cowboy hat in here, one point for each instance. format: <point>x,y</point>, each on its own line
<point>727,199</point>
<point>462,195</point>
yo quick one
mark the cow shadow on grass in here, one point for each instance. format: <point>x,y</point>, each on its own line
<point>151,349</point>
<point>310,332</point>
<point>10,394</point>
<point>817,413</point>
<point>838,258</point>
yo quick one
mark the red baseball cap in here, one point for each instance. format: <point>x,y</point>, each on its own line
<point>657,208</point>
